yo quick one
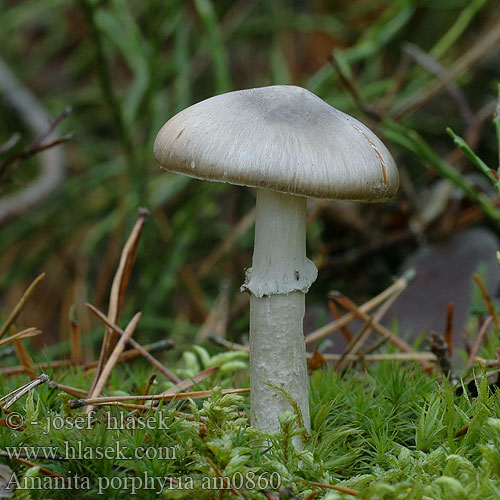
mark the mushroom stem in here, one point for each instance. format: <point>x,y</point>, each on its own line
<point>278,280</point>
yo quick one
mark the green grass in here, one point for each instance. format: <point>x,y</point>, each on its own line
<point>389,432</point>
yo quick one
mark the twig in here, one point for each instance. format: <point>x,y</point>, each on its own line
<point>487,300</point>
<point>46,471</point>
<point>23,356</point>
<point>488,363</point>
<point>360,338</point>
<point>118,287</point>
<point>135,344</point>
<point>336,316</point>
<point>8,424</point>
<point>127,406</point>
<point>73,391</point>
<point>382,310</point>
<point>20,305</point>
<point>29,332</point>
<point>398,356</point>
<point>189,382</point>
<point>376,319</point>
<point>113,358</point>
<point>227,344</point>
<point>150,383</point>
<point>160,345</point>
<point>18,393</point>
<point>382,330</point>
<point>312,495</point>
<point>373,347</point>
<point>32,150</point>
<point>347,491</point>
<point>16,370</point>
<point>355,343</point>
<point>52,160</point>
<point>397,286</point>
<point>46,133</point>
<point>125,356</point>
<point>477,343</point>
<point>395,356</point>
<point>78,403</point>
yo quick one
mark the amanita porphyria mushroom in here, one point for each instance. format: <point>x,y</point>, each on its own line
<point>289,144</point>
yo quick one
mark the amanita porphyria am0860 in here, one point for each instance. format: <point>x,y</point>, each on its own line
<point>289,144</point>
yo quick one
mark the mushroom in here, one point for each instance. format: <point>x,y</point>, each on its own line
<point>289,144</point>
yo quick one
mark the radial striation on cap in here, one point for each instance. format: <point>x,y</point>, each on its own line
<point>282,138</point>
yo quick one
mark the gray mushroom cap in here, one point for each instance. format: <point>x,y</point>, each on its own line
<point>283,138</point>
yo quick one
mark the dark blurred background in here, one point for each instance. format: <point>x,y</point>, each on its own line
<point>406,68</point>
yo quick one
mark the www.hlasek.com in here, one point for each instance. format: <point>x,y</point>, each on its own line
<point>144,482</point>
<point>78,451</point>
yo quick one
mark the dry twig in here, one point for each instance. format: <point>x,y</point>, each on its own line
<point>113,358</point>
<point>150,383</point>
<point>24,334</point>
<point>189,382</point>
<point>135,344</point>
<point>336,316</point>
<point>477,343</point>
<point>397,286</point>
<point>118,287</point>
<point>20,305</point>
<point>487,300</point>
<point>18,393</point>
<point>23,355</point>
<point>75,336</point>
<point>78,403</point>
<point>125,356</point>
<point>400,343</point>
<point>73,391</point>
